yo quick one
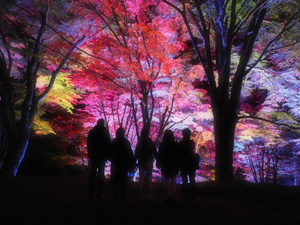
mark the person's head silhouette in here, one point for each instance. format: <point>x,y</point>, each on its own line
<point>168,136</point>
<point>186,134</point>
<point>120,132</point>
<point>100,122</point>
<point>144,133</point>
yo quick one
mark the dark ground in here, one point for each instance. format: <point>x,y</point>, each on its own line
<point>63,200</point>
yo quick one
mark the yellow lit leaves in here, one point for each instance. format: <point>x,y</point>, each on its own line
<point>247,131</point>
<point>62,93</point>
<point>41,126</point>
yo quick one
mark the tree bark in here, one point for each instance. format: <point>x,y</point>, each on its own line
<point>16,153</point>
<point>224,128</point>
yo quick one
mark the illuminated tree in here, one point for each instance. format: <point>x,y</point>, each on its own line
<point>221,31</point>
<point>28,51</point>
<point>141,67</point>
<point>135,52</point>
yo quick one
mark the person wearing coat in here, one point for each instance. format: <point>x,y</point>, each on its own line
<point>145,153</point>
<point>121,157</point>
<point>168,162</point>
<point>187,164</point>
<point>98,144</point>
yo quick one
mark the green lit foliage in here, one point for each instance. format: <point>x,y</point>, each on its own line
<point>41,126</point>
<point>63,92</point>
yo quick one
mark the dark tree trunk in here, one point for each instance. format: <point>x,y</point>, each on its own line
<point>16,153</point>
<point>3,137</point>
<point>19,138</point>
<point>224,129</point>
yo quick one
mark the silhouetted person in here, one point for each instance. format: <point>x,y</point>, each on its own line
<point>168,162</point>
<point>98,144</point>
<point>121,157</point>
<point>145,152</point>
<point>187,164</point>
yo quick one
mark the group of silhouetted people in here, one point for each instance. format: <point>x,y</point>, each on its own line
<point>171,158</point>
<point>180,157</point>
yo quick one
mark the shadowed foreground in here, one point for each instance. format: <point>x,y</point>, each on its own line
<point>63,200</point>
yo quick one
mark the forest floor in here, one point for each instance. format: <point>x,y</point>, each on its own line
<point>63,200</point>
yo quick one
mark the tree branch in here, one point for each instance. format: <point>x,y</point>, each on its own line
<point>268,121</point>
<point>201,16</point>
<point>60,66</point>
<point>285,28</point>
<point>79,49</point>
<point>6,45</point>
<point>173,6</point>
<point>282,47</point>
<point>103,19</point>
<point>241,23</point>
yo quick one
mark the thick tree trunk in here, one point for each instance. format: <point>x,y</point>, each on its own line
<point>15,154</point>
<point>3,139</point>
<point>224,129</point>
<point>7,130</point>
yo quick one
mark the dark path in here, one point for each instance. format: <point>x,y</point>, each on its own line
<point>63,200</point>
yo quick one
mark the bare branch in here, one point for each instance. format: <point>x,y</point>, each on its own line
<point>196,23</point>
<point>285,28</point>
<point>268,121</point>
<point>79,49</point>
<point>104,20</point>
<point>179,122</point>
<point>248,15</point>
<point>282,47</point>
<point>173,6</point>
<point>6,45</point>
<point>201,16</point>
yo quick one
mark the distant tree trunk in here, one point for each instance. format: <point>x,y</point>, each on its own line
<point>275,168</point>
